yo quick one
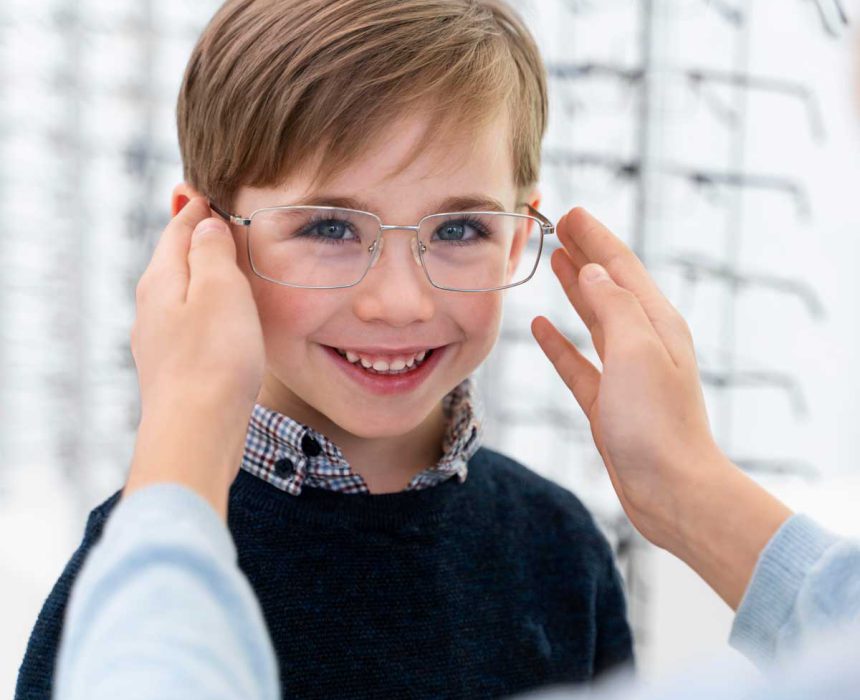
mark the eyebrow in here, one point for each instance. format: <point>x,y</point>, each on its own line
<point>469,202</point>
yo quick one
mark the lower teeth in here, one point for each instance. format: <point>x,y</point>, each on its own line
<point>390,371</point>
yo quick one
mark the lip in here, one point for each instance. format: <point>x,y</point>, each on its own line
<point>386,385</point>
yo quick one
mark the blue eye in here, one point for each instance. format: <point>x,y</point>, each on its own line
<point>328,230</point>
<point>466,230</point>
<point>452,232</point>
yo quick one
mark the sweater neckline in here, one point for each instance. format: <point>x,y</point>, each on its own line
<point>323,506</point>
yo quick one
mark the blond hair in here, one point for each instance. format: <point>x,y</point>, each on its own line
<point>273,84</point>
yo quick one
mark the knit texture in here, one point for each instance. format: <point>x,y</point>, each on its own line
<point>485,588</point>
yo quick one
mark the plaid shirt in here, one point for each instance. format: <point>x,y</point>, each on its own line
<point>289,454</point>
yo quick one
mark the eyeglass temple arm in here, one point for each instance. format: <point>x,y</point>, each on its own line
<point>548,226</point>
<point>232,218</point>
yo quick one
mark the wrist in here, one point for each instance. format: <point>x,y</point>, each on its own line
<point>669,512</point>
<point>710,485</point>
<point>196,445</point>
<point>724,525</point>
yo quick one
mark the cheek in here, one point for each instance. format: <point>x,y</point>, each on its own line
<point>287,315</point>
<point>479,317</point>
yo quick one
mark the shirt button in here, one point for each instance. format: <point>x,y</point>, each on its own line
<point>310,446</point>
<point>284,466</point>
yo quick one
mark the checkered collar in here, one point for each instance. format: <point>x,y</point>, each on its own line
<point>288,454</point>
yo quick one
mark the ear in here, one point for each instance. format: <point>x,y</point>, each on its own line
<point>182,194</point>
<point>524,232</point>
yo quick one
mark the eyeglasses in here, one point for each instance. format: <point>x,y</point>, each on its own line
<point>320,247</point>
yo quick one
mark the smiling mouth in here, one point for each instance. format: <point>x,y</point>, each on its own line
<point>387,365</point>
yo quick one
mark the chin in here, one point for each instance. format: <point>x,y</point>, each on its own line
<point>381,424</point>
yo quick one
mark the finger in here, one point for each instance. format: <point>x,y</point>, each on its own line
<point>619,312</point>
<point>211,258</point>
<point>567,272</point>
<point>168,271</point>
<point>599,245</point>
<point>569,245</point>
<point>581,377</point>
<point>172,248</point>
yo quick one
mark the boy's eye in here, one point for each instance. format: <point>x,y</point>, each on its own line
<point>459,231</point>
<point>330,229</point>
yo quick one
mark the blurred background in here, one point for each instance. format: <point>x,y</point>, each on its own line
<point>719,138</point>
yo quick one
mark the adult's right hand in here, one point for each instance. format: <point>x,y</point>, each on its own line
<point>647,411</point>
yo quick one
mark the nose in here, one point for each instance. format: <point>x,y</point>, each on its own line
<point>395,290</point>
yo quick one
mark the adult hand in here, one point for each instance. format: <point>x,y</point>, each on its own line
<point>647,411</point>
<point>198,346</point>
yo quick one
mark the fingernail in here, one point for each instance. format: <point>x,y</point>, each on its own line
<point>594,273</point>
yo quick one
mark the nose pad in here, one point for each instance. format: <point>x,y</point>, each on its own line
<point>376,250</point>
<point>415,244</point>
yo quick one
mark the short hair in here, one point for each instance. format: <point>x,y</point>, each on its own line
<point>272,85</point>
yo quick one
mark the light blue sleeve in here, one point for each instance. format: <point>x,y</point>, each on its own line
<point>799,621</point>
<point>160,609</point>
<point>827,671</point>
<point>806,584</point>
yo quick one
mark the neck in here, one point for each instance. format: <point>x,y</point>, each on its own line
<point>387,464</point>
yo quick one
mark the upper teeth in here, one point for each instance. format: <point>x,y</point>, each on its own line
<point>384,364</point>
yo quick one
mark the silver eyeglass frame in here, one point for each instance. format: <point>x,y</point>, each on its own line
<point>545,225</point>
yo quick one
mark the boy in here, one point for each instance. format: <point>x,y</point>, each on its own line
<point>392,555</point>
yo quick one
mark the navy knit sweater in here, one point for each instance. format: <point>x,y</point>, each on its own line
<point>482,589</point>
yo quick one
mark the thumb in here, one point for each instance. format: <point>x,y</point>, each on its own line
<point>212,251</point>
<point>618,311</point>
<point>208,225</point>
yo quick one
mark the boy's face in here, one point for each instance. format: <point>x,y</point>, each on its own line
<point>394,310</point>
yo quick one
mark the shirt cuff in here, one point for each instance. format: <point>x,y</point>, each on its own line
<point>772,592</point>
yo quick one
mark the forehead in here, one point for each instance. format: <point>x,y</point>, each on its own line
<point>454,163</point>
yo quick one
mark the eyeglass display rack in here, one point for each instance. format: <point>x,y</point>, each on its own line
<point>529,415</point>
<point>88,137</point>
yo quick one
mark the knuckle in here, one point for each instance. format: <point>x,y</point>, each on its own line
<point>614,264</point>
<point>684,328</point>
<point>677,324</point>
<point>617,266</point>
<point>625,296</point>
